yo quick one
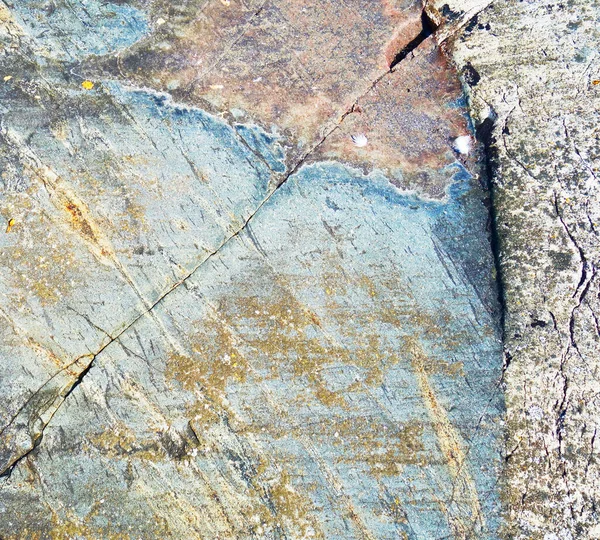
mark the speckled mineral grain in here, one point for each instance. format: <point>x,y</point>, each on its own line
<point>247,287</point>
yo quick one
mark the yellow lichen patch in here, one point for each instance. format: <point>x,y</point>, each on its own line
<point>368,284</point>
<point>289,336</point>
<point>69,525</point>
<point>72,527</point>
<point>184,369</point>
<point>293,510</point>
<point>406,316</point>
<point>202,414</point>
<point>439,366</point>
<point>333,285</point>
<point>87,85</point>
<point>279,336</point>
<point>383,446</point>
<point>215,361</point>
<point>10,224</point>
<point>49,272</point>
<point>277,504</point>
<point>327,396</point>
<point>282,341</point>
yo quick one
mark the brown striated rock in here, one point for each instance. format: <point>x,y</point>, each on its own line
<point>296,65</point>
<point>410,118</point>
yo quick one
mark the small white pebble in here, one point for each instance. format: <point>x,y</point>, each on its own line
<point>462,144</point>
<point>360,140</point>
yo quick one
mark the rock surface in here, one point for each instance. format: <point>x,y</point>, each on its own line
<point>533,78</point>
<point>248,289</point>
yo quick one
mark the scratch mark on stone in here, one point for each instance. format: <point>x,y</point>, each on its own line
<point>230,46</point>
<point>338,489</point>
<point>449,443</point>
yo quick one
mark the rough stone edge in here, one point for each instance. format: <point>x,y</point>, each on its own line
<point>567,522</point>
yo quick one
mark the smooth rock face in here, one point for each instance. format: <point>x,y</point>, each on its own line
<point>235,312</point>
<point>534,84</point>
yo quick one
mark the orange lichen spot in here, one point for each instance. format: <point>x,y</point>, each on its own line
<point>10,225</point>
<point>596,82</point>
<point>87,85</point>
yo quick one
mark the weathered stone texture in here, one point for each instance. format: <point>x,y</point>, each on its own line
<point>532,72</point>
<point>223,318</point>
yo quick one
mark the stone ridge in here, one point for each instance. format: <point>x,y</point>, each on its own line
<point>532,75</point>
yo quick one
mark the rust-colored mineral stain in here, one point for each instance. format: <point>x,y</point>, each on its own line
<point>215,361</point>
<point>80,221</point>
<point>405,134</point>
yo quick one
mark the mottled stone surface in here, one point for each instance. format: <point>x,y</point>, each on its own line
<point>532,72</point>
<point>222,317</point>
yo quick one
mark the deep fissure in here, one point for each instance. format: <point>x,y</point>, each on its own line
<point>428,28</point>
<point>485,135</point>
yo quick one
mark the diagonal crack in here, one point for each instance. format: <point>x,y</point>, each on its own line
<point>427,30</point>
<point>49,408</point>
<point>579,249</point>
<point>68,390</point>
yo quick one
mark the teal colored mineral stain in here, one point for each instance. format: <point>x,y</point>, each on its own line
<point>458,103</point>
<point>73,30</point>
